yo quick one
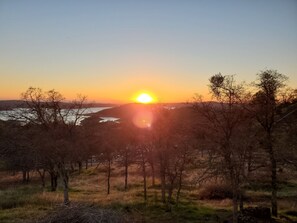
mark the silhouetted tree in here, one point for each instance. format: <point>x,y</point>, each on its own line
<point>127,150</point>
<point>223,129</point>
<point>171,143</point>
<point>264,106</point>
<point>57,123</point>
<point>287,131</point>
<point>108,146</point>
<point>16,149</point>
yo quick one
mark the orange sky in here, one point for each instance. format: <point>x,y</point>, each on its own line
<point>111,50</point>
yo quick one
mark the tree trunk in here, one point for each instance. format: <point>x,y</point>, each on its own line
<point>66,196</point>
<point>54,180</point>
<point>273,176</point>
<point>27,176</point>
<point>170,191</point>
<point>72,167</point>
<point>249,165</point>
<point>163,183</point>
<point>240,201</point>
<point>64,175</point>
<point>144,180</point>
<point>108,176</point>
<point>153,173</point>
<point>235,204</point>
<point>126,173</point>
<point>180,179</point>
<point>87,163</point>
<point>273,186</point>
<point>79,166</point>
<point>179,187</point>
<point>24,176</point>
<point>42,177</point>
<point>235,185</point>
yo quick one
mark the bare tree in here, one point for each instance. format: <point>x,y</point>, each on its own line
<point>108,145</point>
<point>264,105</point>
<point>16,149</point>
<point>171,143</point>
<point>127,150</point>
<point>57,122</point>
<point>224,124</point>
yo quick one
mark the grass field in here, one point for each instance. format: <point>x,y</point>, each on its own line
<point>29,202</point>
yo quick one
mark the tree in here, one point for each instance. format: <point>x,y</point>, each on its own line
<point>223,127</point>
<point>170,148</point>
<point>263,107</point>
<point>17,150</point>
<point>127,150</point>
<point>57,123</point>
<point>161,140</point>
<point>287,131</point>
<point>108,145</point>
<point>141,145</point>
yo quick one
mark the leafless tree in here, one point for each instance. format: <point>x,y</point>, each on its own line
<point>127,150</point>
<point>171,150</point>
<point>57,122</point>
<point>264,105</point>
<point>223,128</point>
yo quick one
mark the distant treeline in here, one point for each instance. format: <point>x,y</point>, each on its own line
<point>11,104</point>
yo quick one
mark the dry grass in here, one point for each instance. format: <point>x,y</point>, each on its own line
<point>19,202</point>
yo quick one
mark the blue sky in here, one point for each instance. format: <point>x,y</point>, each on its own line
<point>109,50</point>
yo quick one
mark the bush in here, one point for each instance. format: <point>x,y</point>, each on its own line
<point>216,192</point>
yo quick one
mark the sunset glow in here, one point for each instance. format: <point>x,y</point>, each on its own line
<point>143,119</point>
<point>112,51</point>
<point>144,98</point>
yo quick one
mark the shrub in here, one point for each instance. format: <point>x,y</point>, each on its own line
<point>216,192</point>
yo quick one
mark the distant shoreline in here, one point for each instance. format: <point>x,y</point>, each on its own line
<point>11,104</point>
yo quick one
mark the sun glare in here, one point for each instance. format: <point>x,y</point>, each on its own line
<point>144,98</point>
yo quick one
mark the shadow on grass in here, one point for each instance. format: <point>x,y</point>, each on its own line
<point>183,212</point>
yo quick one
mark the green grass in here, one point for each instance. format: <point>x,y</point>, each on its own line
<point>17,196</point>
<point>22,214</point>
<point>287,189</point>
<point>20,202</point>
<point>184,212</point>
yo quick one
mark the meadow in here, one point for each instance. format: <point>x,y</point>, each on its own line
<point>30,202</point>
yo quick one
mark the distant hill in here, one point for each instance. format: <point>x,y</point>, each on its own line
<point>10,104</point>
<point>129,111</point>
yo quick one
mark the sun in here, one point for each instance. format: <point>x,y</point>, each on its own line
<point>144,98</point>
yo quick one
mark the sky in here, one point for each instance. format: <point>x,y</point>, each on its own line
<point>111,50</point>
